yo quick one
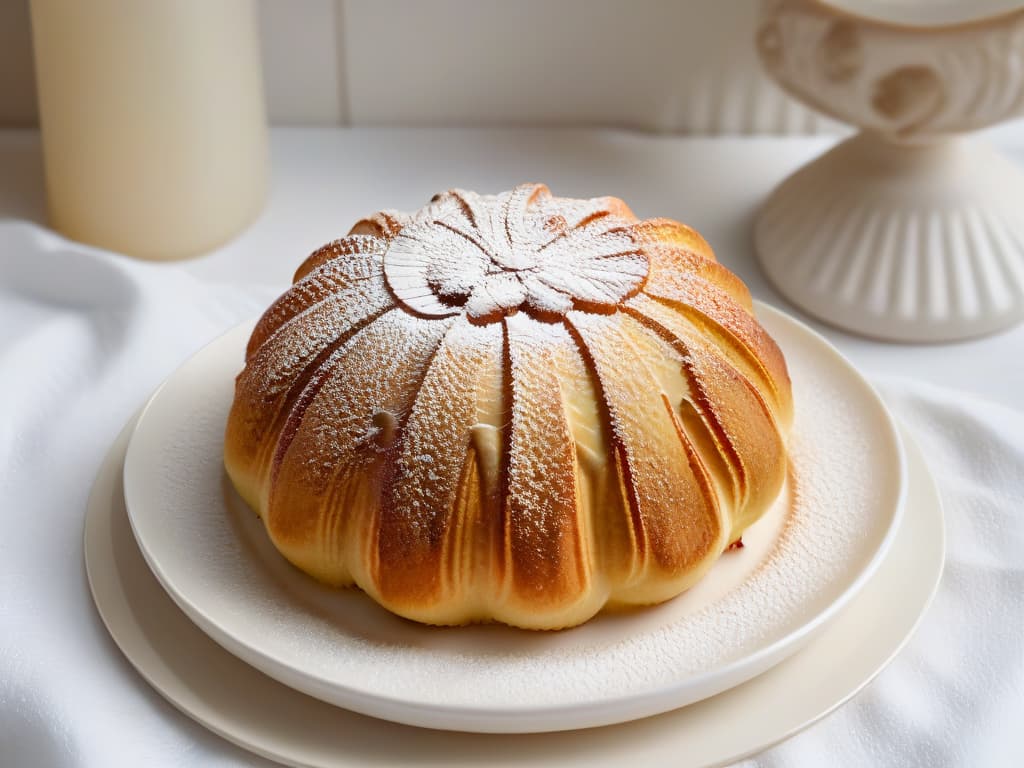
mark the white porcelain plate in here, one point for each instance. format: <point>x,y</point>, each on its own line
<point>803,562</point>
<point>248,708</point>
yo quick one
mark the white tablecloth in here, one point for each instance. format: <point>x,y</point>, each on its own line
<point>85,336</point>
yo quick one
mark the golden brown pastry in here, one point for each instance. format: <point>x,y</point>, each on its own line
<point>511,407</point>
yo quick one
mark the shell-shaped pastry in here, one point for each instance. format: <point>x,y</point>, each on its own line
<point>514,407</point>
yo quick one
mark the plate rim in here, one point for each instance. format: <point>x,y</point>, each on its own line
<point>526,717</point>
<point>108,475</point>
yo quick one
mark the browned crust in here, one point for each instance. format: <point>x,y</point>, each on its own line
<point>356,432</point>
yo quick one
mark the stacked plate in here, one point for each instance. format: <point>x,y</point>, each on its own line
<point>829,586</point>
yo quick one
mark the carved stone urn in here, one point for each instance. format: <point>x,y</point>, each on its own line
<point>910,230</point>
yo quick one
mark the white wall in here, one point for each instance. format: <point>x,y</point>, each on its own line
<point>661,65</point>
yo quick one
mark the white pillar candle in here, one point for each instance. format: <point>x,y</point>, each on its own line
<point>153,123</point>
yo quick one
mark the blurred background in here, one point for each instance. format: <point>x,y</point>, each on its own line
<point>669,66</point>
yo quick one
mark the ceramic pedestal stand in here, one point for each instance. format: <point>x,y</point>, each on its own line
<point>911,243</point>
<point>908,231</point>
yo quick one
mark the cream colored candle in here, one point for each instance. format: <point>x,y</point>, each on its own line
<point>154,129</point>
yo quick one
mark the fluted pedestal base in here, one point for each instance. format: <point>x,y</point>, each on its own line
<point>904,243</point>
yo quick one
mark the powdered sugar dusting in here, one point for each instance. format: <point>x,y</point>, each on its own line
<point>376,372</point>
<point>317,311</point>
<point>676,521</point>
<point>490,255</point>
<point>327,279</point>
<point>420,560</point>
<point>548,542</point>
